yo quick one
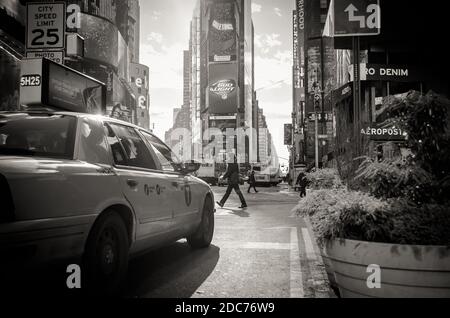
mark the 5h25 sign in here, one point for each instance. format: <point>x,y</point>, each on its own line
<point>46,25</point>
<point>357,18</point>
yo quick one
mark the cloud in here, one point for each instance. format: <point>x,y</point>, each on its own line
<point>278,12</point>
<point>155,37</point>
<point>274,70</point>
<point>165,63</point>
<point>256,8</point>
<point>156,15</point>
<point>266,42</point>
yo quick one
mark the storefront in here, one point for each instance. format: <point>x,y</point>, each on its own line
<point>378,83</point>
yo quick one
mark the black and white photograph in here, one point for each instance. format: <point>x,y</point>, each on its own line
<point>224,155</point>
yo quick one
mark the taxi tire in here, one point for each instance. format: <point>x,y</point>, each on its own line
<point>95,279</point>
<point>202,238</point>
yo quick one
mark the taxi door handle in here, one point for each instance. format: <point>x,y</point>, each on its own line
<point>132,183</point>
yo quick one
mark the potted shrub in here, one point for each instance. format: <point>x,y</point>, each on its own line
<point>394,224</point>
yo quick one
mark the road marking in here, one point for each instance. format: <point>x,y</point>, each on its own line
<point>309,246</point>
<point>255,246</point>
<point>296,276</point>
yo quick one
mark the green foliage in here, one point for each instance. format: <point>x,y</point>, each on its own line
<point>425,118</point>
<point>325,208</point>
<point>324,179</point>
<point>398,201</point>
<point>339,213</point>
<point>393,179</point>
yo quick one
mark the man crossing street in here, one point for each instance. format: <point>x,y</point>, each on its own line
<point>232,174</point>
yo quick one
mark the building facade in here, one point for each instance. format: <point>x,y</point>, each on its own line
<point>110,30</point>
<point>405,56</point>
<point>222,56</point>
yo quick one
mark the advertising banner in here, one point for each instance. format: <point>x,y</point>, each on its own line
<point>47,83</point>
<point>15,9</point>
<point>72,91</point>
<point>288,134</point>
<point>101,39</point>
<point>9,82</point>
<point>223,89</point>
<point>222,33</point>
<point>46,23</point>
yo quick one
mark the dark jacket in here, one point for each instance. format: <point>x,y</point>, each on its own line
<point>302,181</point>
<point>232,174</point>
<point>252,179</point>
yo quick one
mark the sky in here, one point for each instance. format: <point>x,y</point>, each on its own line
<point>165,34</point>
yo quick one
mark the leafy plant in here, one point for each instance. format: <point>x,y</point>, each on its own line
<point>343,214</point>
<point>324,179</point>
<point>325,208</point>
<point>393,178</point>
<point>425,118</point>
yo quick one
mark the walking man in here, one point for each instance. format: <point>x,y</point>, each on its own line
<point>232,175</point>
<point>302,182</point>
<point>252,182</point>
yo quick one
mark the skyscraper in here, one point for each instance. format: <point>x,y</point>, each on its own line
<point>222,69</point>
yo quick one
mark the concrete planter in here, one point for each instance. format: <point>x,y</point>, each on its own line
<point>329,268</point>
<point>406,271</point>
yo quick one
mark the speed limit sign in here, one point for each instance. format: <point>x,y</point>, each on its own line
<point>46,25</point>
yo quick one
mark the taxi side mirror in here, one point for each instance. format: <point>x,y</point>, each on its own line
<point>189,167</point>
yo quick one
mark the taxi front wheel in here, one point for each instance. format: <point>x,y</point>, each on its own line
<point>202,238</point>
<point>106,255</point>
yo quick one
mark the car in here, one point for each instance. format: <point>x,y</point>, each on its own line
<point>95,189</point>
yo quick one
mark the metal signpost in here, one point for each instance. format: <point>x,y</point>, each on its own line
<point>356,18</point>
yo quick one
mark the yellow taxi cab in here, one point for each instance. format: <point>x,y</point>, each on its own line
<point>96,189</point>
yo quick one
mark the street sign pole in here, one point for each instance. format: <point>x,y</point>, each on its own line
<point>357,93</point>
<point>317,139</point>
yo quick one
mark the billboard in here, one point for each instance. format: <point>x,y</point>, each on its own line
<point>101,39</point>
<point>222,33</point>
<point>9,82</point>
<point>47,83</point>
<point>288,133</point>
<point>15,9</point>
<point>70,90</point>
<point>223,88</point>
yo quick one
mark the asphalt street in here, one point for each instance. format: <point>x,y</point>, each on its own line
<point>259,252</point>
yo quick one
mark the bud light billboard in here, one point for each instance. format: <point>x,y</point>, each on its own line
<point>222,33</point>
<point>223,88</point>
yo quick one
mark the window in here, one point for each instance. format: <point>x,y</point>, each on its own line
<point>38,135</point>
<point>93,145</point>
<point>165,156</point>
<point>128,148</point>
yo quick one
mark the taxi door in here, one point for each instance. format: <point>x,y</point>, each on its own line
<point>180,191</point>
<point>141,182</point>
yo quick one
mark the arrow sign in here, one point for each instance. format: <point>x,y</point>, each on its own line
<point>357,18</point>
<point>351,9</point>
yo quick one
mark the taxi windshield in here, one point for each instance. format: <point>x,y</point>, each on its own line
<point>51,136</point>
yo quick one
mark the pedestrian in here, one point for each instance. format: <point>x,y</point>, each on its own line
<point>302,182</point>
<point>232,174</point>
<point>252,182</point>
